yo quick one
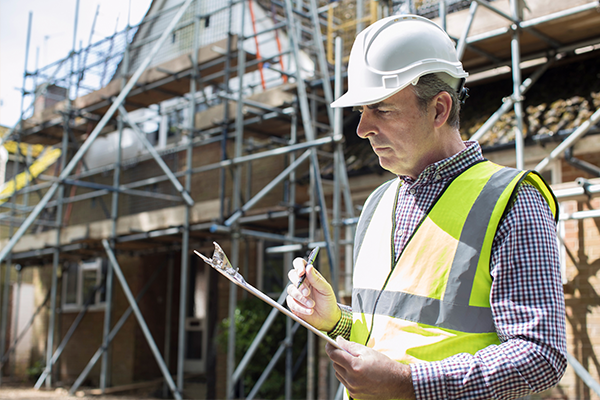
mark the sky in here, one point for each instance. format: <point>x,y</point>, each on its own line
<point>52,29</point>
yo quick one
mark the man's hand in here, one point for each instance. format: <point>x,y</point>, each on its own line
<point>314,301</point>
<point>368,374</point>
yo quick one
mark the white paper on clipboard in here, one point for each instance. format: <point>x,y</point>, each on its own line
<point>222,264</point>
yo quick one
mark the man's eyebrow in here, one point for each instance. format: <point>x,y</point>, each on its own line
<point>372,106</point>
<point>375,105</point>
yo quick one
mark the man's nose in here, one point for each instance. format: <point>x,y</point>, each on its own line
<point>365,127</point>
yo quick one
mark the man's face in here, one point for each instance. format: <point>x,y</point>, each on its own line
<point>401,134</point>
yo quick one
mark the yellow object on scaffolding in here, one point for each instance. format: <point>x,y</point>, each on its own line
<point>34,149</point>
<point>47,157</point>
<point>343,21</point>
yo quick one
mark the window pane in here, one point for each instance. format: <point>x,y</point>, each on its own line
<point>200,293</point>
<point>273,277</point>
<point>89,282</point>
<point>104,267</point>
<point>194,345</point>
<point>71,284</point>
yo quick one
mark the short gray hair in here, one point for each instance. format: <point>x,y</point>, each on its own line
<point>431,85</point>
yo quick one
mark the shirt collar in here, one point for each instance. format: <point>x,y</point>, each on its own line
<point>448,167</point>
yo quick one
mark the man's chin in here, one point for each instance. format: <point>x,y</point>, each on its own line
<point>385,164</point>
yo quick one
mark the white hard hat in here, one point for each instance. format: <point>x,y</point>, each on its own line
<point>393,53</point>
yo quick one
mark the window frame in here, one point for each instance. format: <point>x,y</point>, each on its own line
<point>95,264</point>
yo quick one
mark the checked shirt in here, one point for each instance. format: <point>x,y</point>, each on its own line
<point>526,297</point>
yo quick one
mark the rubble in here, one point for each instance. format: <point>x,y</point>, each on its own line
<point>540,119</point>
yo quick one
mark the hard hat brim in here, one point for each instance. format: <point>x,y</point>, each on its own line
<point>365,96</point>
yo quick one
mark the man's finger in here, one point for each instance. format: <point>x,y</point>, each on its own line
<point>299,265</point>
<point>340,374</point>
<point>297,307</point>
<point>293,276</point>
<point>351,347</point>
<point>302,296</point>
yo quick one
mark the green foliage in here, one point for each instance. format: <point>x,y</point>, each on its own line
<point>250,315</point>
<point>35,371</point>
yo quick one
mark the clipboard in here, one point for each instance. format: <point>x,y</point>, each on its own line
<point>221,263</point>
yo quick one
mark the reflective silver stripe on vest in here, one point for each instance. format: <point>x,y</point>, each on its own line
<point>464,265</point>
<point>425,310</point>
<point>454,311</point>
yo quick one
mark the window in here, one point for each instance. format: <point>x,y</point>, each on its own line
<point>273,278</point>
<point>79,281</point>
<point>176,123</point>
<point>273,266</point>
<point>196,322</point>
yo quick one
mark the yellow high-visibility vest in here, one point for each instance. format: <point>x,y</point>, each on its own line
<point>434,300</point>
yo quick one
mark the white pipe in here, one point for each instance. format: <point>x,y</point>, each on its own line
<point>3,162</point>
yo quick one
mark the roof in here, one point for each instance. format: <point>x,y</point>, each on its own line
<point>547,26</point>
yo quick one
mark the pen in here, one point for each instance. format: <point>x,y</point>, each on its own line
<point>311,259</point>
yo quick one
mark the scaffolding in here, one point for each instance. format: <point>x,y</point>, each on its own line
<point>203,69</point>
<point>244,82</point>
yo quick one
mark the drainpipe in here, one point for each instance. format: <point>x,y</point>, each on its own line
<point>580,164</point>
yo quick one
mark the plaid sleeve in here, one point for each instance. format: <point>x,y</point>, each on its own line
<point>343,326</point>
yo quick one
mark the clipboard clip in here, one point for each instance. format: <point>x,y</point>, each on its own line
<point>220,262</point>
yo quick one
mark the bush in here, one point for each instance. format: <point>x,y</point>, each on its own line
<point>250,315</point>
<point>35,371</point>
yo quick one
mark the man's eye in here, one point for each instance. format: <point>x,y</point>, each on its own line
<point>357,109</point>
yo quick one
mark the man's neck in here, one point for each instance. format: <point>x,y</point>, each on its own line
<point>453,144</point>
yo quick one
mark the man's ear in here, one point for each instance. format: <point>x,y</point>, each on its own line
<point>443,104</point>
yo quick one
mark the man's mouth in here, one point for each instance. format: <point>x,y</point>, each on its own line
<point>380,149</point>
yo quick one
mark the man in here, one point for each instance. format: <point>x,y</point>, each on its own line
<point>457,291</point>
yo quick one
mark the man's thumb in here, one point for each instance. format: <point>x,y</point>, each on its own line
<point>314,277</point>
<point>350,347</point>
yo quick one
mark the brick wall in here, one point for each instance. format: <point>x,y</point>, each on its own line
<point>205,185</point>
<point>131,357</point>
<point>86,339</point>
<point>570,173</point>
<point>153,308</point>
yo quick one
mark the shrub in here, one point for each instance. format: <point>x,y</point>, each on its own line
<point>250,315</point>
